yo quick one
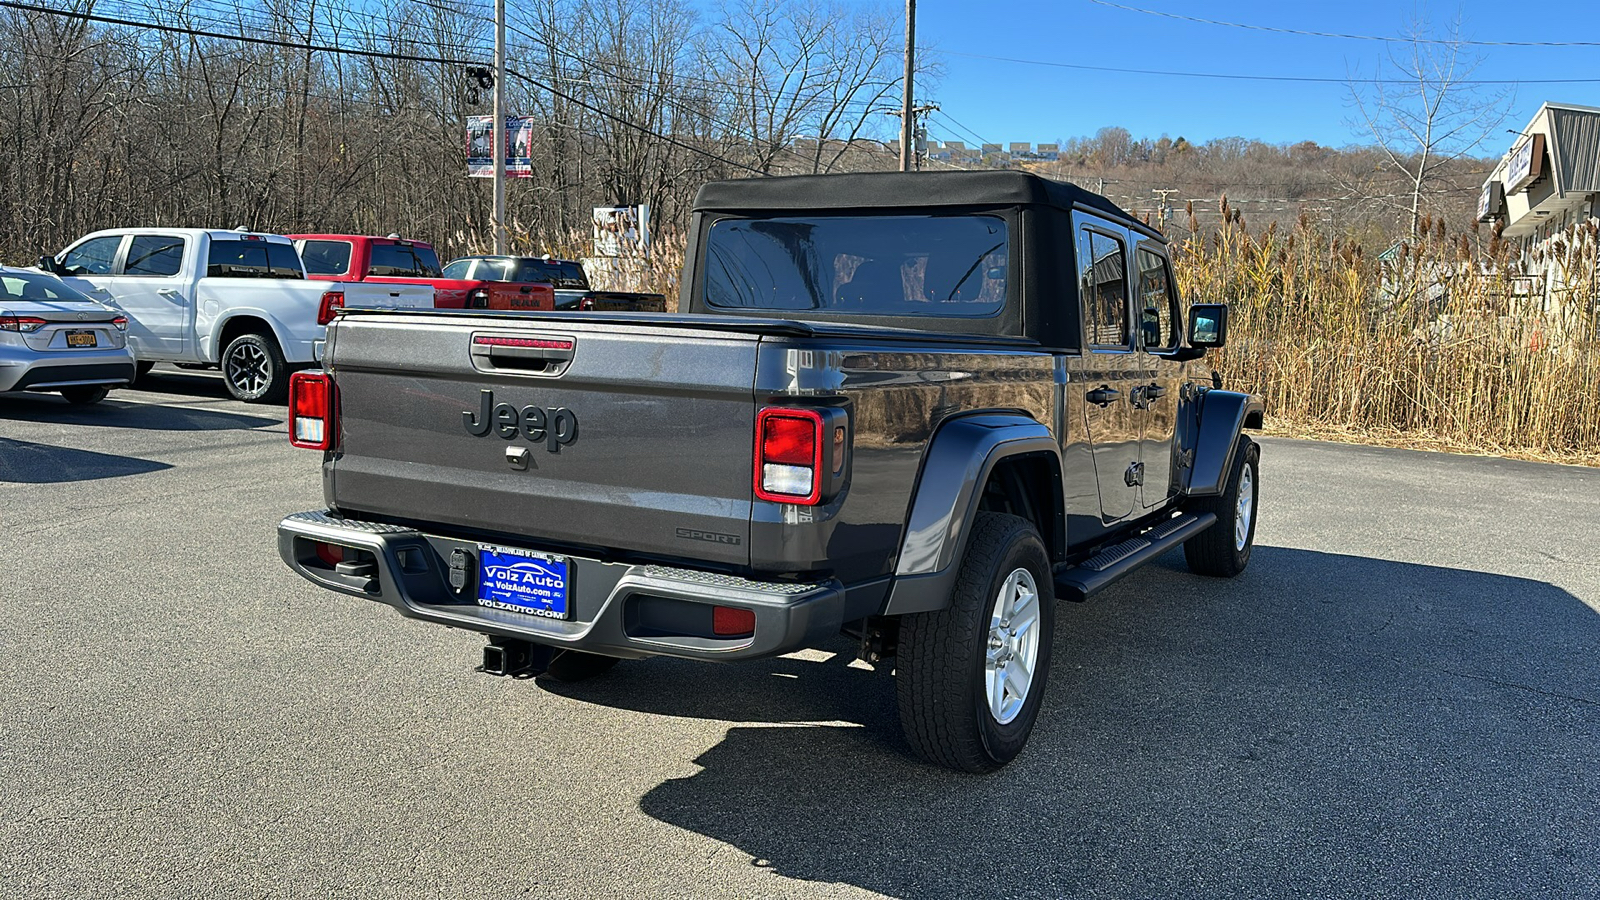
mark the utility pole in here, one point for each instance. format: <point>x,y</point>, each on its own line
<point>499,127</point>
<point>919,131</point>
<point>907,126</point>
<point>1164,211</point>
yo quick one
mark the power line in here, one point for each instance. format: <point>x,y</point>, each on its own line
<point>969,132</point>
<point>1334,34</point>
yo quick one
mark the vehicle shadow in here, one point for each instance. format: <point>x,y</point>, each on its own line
<point>113,413</point>
<point>199,384</point>
<point>24,462</point>
<point>1324,725</point>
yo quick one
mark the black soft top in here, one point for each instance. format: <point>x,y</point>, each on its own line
<point>894,190</point>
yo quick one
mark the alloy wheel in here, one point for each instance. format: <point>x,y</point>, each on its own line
<point>1013,648</point>
<point>247,369</point>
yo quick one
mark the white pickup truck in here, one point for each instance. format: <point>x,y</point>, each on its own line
<point>236,300</point>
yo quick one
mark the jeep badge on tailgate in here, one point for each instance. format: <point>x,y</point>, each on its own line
<point>554,426</point>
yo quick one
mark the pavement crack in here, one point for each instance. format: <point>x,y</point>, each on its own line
<point>1522,687</point>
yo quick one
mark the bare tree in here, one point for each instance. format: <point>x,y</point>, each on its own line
<point>811,69</point>
<point>1423,111</point>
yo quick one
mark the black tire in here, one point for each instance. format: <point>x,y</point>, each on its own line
<point>1216,551</point>
<point>85,394</point>
<point>254,370</point>
<point>141,369</point>
<point>941,665</point>
<point>575,665</point>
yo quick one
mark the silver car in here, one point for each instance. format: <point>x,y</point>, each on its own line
<point>53,338</point>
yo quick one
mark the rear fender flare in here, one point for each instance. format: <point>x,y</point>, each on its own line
<point>955,468</point>
<point>1221,417</point>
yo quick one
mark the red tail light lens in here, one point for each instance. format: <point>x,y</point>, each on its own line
<point>788,463</point>
<point>313,411</point>
<point>331,301</point>
<point>21,324</point>
<point>120,323</point>
<point>729,621</point>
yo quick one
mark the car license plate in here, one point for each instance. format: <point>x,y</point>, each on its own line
<point>82,339</point>
<point>523,581</point>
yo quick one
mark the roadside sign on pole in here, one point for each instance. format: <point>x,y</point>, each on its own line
<point>480,147</point>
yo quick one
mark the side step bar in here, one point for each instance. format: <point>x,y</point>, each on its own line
<point>1104,568</point>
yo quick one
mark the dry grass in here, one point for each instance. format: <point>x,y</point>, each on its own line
<point>1431,348</point>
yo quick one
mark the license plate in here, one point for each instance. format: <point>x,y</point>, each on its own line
<point>82,339</point>
<point>523,581</point>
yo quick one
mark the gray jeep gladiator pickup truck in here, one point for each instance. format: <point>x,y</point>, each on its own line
<point>912,408</point>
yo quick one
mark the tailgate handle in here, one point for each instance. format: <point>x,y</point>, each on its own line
<point>522,354</point>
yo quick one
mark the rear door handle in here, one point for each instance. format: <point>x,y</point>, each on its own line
<point>1103,395</point>
<point>1155,391</point>
<point>171,293</point>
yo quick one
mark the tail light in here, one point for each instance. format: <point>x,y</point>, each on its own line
<point>21,324</point>
<point>120,323</point>
<point>586,303</point>
<point>788,461</point>
<point>331,301</point>
<point>313,410</point>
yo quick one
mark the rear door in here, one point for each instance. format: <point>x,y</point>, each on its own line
<point>1110,367</point>
<point>589,436</point>
<point>1156,302</point>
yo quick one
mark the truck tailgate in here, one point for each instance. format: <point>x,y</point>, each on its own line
<point>586,434</point>
<point>384,296</point>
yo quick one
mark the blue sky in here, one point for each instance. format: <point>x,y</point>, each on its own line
<point>1000,101</point>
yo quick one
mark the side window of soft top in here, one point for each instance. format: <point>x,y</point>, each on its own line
<point>1103,283</point>
<point>1158,301</point>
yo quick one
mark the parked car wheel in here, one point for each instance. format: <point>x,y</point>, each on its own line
<point>969,678</point>
<point>254,369</point>
<point>83,395</point>
<point>1223,550</point>
<point>141,369</point>
<point>575,665</point>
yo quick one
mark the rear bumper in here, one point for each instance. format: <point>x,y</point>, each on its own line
<point>618,609</point>
<point>53,371</point>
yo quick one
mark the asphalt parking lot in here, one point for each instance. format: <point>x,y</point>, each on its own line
<point>1400,697</point>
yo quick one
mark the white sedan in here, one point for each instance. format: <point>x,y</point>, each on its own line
<point>53,338</point>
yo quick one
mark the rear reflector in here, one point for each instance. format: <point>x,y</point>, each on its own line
<point>313,413</point>
<point>331,554</point>
<point>788,459</point>
<point>331,301</point>
<point>728,621</point>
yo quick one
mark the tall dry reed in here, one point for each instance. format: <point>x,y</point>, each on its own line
<point>1433,340</point>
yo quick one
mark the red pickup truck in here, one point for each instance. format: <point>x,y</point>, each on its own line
<point>393,260</point>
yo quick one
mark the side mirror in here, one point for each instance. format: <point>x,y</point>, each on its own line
<point>49,264</point>
<point>1208,325</point>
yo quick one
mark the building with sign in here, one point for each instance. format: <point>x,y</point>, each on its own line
<point>1548,180</point>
